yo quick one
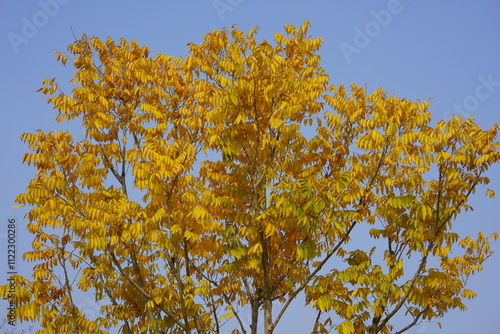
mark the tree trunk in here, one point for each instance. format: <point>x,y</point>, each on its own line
<point>255,315</point>
<point>268,315</point>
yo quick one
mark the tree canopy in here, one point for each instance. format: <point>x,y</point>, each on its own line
<point>239,178</point>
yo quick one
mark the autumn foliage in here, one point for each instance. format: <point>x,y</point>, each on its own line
<point>237,180</point>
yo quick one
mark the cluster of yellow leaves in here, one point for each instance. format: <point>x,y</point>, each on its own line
<point>237,176</point>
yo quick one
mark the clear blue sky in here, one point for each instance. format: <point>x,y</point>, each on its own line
<point>445,50</point>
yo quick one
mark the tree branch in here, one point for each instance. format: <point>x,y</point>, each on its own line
<point>144,293</point>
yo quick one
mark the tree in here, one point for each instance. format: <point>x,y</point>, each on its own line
<point>239,177</point>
